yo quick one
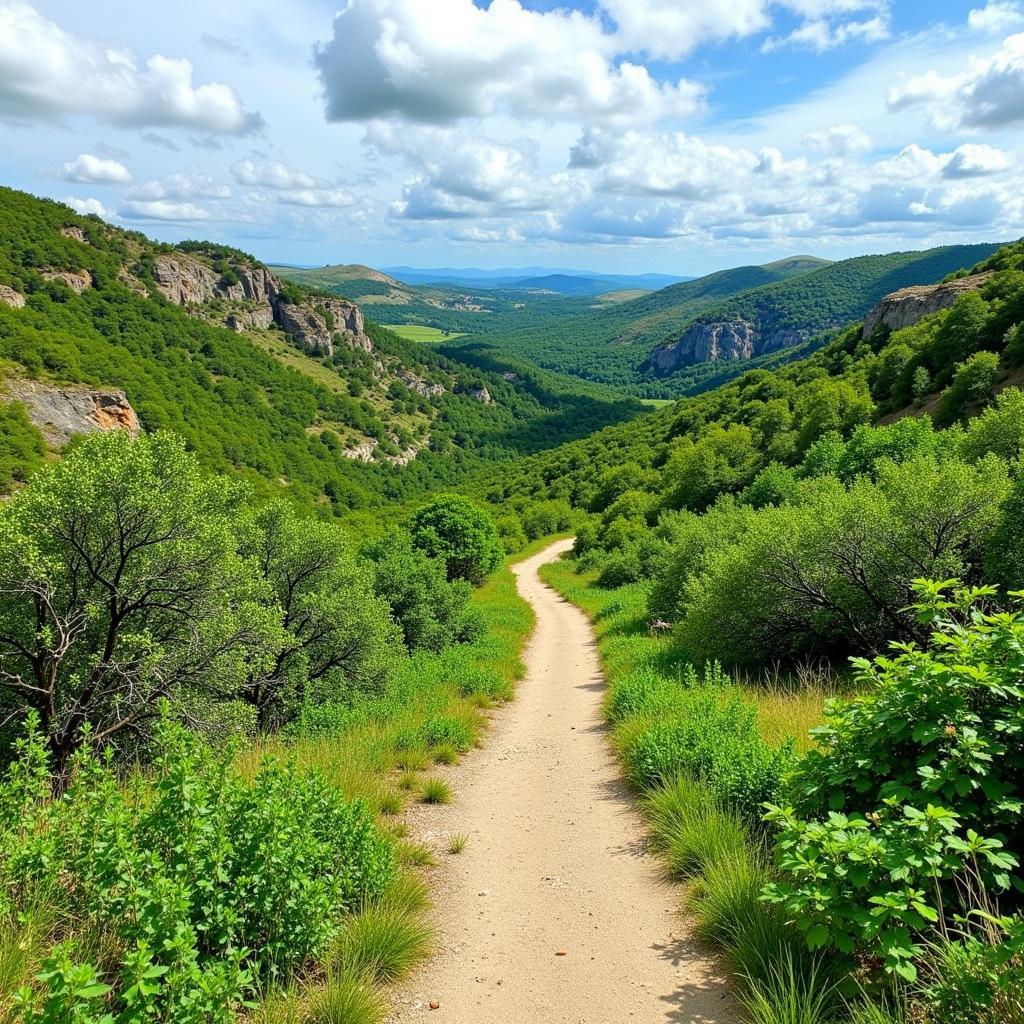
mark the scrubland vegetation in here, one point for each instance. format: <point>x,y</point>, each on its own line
<point>209,708</point>
<point>810,622</point>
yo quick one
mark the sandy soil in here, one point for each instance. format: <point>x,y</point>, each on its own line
<point>555,911</point>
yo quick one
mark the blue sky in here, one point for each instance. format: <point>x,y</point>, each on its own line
<point>616,135</point>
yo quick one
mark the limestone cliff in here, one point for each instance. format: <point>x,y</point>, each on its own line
<point>712,342</point>
<point>256,297</point>
<point>905,307</point>
<point>60,412</point>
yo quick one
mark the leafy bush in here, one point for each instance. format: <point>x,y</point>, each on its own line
<point>712,739</point>
<point>122,585</point>
<point>432,611</point>
<point>918,783</point>
<point>649,692</point>
<point>459,533</point>
<point>972,383</point>
<point>203,881</point>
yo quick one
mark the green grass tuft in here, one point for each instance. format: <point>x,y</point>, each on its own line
<point>435,791</point>
<point>457,843</point>
<point>347,998</point>
<point>790,995</point>
<point>691,828</point>
<point>382,943</point>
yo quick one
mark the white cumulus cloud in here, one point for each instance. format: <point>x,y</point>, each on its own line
<point>995,16</point>
<point>86,206</point>
<point>442,61</point>
<point>47,74</point>
<point>987,93</point>
<point>160,209</point>
<point>96,170</point>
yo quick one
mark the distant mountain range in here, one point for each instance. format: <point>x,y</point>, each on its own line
<point>554,279</point>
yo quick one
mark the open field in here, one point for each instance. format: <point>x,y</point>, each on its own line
<point>418,332</point>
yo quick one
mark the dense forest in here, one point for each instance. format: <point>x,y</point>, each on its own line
<point>612,345</point>
<point>274,415</point>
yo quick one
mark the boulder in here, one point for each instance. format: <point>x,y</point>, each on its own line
<point>905,307</point>
<point>9,297</point>
<point>60,412</point>
<point>481,395</point>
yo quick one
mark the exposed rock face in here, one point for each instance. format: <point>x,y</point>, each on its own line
<point>306,326</point>
<point>712,342</point>
<point>905,307</point>
<point>703,343</point>
<point>76,280</point>
<point>75,232</point>
<point>481,395</point>
<point>190,282</point>
<point>256,318</point>
<point>183,281</point>
<point>420,386</point>
<point>61,412</point>
<point>9,297</point>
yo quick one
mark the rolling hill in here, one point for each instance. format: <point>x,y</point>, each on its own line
<point>286,386</point>
<point>747,313</point>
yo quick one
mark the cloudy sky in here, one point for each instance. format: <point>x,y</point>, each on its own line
<point>630,135</point>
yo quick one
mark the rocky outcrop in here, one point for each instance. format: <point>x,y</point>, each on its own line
<point>420,386</point>
<point>62,412</point>
<point>905,307</point>
<point>481,395</point>
<point>9,297</point>
<point>76,280</point>
<point>185,282</point>
<point>705,343</point>
<point>317,324</point>
<point>250,319</point>
<point>713,342</point>
<point>75,232</point>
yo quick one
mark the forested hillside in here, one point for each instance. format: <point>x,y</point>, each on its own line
<point>292,413</point>
<point>793,300</point>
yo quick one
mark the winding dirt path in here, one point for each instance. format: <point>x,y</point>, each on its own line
<point>555,864</point>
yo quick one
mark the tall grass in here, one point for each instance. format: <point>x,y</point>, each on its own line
<point>706,750</point>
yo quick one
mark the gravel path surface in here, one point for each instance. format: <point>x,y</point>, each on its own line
<point>554,912</point>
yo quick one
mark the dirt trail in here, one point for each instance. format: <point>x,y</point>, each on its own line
<point>555,862</point>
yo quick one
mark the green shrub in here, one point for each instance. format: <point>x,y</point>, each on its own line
<point>446,730</point>
<point>459,533</point>
<point>432,611</point>
<point>973,382</point>
<point>912,804</point>
<point>715,740</point>
<point>978,978</point>
<point>650,692</point>
<point>204,882</point>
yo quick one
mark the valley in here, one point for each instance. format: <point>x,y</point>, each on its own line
<point>259,548</point>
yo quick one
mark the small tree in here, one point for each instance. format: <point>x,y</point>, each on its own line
<point>459,533</point>
<point>338,635</point>
<point>120,585</point>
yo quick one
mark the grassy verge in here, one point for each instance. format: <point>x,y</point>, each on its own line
<point>286,835</point>
<point>704,751</point>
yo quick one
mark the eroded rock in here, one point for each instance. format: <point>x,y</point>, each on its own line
<point>9,297</point>
<point>77,280</point>
<point>905,307</point>
<point>60,412</point>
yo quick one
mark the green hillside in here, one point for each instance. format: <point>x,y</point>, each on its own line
<point>255,403</point>
<point>613,345</point>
